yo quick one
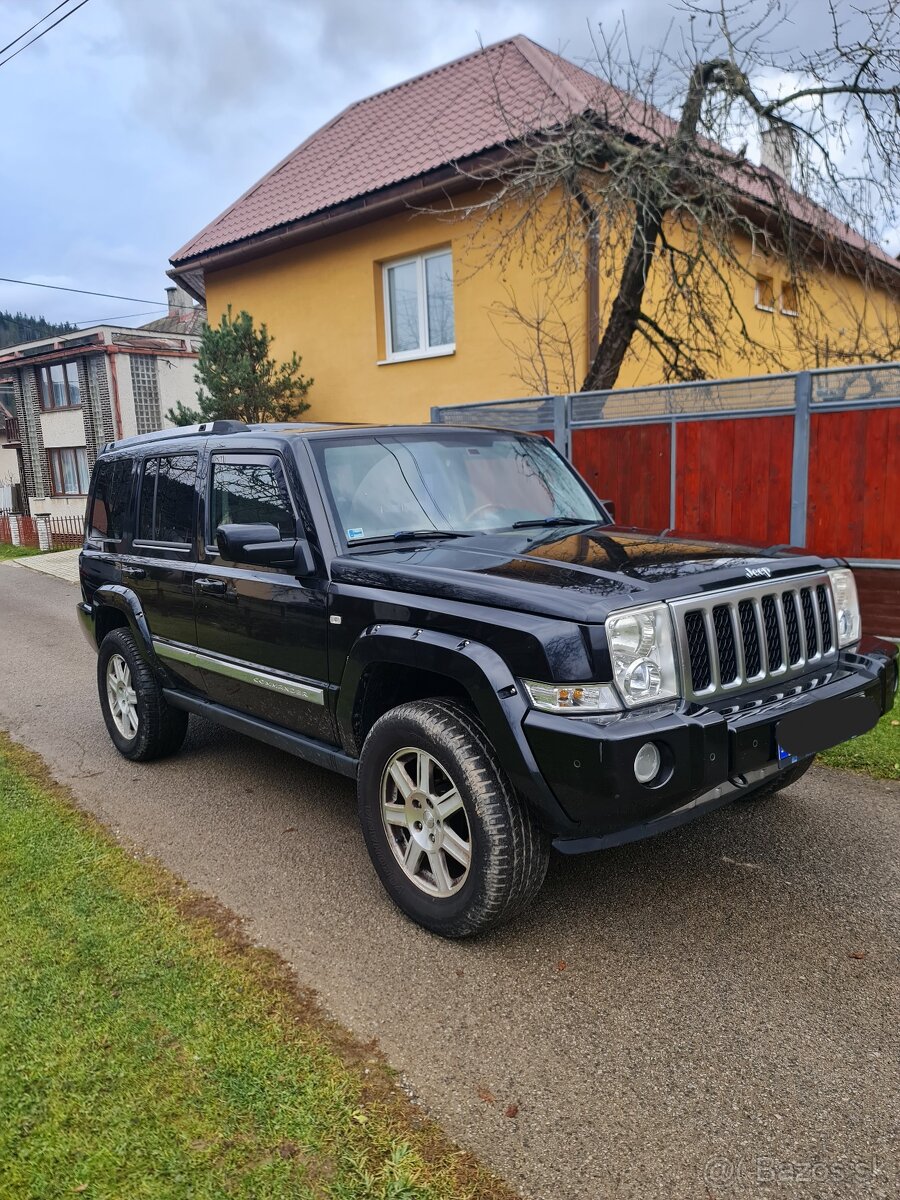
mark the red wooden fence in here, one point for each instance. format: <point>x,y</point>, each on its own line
<point>854,483</point>
<point>628,464</point>
<point>811,458</point>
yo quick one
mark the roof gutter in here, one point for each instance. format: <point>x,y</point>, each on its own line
<point>442,182</point>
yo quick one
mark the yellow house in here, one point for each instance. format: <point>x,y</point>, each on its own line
<point>365,251</point>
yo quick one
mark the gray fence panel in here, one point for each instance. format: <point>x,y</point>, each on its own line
<point>799,393</point>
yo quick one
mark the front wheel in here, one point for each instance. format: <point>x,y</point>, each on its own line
<point>454,846</point>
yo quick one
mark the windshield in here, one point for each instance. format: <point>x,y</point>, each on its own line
<point>463,482</point>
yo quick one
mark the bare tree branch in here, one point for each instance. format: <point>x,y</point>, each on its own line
<point>656,171</point>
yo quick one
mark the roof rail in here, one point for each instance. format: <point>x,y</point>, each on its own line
<point>208,428</point>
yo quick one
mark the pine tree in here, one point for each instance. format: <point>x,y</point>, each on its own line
<point>240,380</point>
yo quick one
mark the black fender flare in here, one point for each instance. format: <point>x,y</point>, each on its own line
<point>115,595</point>
<point>489,684</point>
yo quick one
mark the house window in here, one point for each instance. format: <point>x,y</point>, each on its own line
<point>788,299</point>
<point>765,293</point>
<point>418,306</point>
<point>69,474</point>
<point>145,386</point>
<point>59,386</point>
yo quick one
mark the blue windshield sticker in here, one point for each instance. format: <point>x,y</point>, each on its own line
<point>354,533</point>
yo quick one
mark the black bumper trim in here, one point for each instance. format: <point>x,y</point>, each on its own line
<point>590,764</point>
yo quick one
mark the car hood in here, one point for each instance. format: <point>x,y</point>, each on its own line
<point>579,575</point>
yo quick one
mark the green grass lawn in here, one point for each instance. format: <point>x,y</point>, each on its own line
<point>8,551</point>
<point>876,753</point>
<point>147,1052</point>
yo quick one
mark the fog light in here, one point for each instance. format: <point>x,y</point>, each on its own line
<point>646,763</point>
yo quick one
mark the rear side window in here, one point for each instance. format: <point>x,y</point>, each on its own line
<point>111,499</point>
<point>248,490</point>
<point>166,512</point>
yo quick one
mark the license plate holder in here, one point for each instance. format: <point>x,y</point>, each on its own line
<point>785,758</point>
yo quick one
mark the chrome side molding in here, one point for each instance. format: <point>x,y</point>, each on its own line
<point>285,685</point>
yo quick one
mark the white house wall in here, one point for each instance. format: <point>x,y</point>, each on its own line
<point>63,427</point>
<point>176,383</point>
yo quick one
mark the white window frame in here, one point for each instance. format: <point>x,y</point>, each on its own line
<point>770,279</point>
<point>423,350</point>
<point>787,312</point>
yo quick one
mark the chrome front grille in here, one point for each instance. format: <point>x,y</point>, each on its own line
<point>746,636</point>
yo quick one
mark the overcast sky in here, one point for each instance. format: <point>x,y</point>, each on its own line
<point>132,124</point>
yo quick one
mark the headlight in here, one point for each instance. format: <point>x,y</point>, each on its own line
<point>572,697</point>
<point>846,606</point>
<point>642,649</point>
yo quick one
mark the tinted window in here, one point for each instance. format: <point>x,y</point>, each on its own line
<point>249,490</point>
<point>167,499</point>
<point>112,493</point>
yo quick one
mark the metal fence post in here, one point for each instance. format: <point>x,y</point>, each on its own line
<point>562,434</point>
<point>800,463</point>
<point>673,473</point>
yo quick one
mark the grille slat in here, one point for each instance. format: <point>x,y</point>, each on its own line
<point>824,616</point>
<point>809,623</point>
<point>774,656</point>
<point>698,651</point>
<point>727,651</point>
<point>792,627</point>
<point>767,630</point>
<point>750,638</point>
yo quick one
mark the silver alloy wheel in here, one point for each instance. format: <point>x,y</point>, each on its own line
<point>122,696</point>
<point>425,821</point>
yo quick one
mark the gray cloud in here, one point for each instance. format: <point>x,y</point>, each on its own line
<point>134,123</point>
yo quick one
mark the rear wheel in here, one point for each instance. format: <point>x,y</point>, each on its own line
<point>452,843</point>
<point>140,722</point>
<point>784,779</point>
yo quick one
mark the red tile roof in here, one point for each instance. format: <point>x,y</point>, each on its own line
<point>452,112</point>
<point>484,100</point>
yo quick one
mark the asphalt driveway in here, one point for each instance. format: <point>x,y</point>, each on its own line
<point>711,1013</point>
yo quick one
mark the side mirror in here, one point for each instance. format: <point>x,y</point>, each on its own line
<point>263,545</point>
<point>610,506</point>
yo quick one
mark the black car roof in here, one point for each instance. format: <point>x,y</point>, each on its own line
<point>242,433</point>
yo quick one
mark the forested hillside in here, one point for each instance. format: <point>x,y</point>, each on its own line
<point>16,327</point>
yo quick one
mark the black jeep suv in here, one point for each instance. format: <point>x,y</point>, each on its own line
<point>449,616</point>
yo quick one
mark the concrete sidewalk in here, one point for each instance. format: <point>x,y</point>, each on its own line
<point>62,564</point>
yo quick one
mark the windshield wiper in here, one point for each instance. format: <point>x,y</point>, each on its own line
<point>555,521</point>
<point>410,535</point>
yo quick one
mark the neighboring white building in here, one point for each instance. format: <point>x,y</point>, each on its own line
<point>10,472</point>
<point>75,392</point>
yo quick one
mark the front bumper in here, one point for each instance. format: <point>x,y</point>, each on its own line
<point>710,754</point>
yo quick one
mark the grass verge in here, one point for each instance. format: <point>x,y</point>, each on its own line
<point>8,551</point>
<point>149,1051</point>
<point>876,753</point>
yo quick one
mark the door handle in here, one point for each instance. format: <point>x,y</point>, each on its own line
<point>210,587</point>
<point>134,572</point>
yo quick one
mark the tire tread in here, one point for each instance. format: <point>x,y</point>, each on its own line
<point>161,728</point>
<point>521,847</point>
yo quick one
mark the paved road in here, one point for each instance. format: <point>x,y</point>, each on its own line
<point>669,1015</point>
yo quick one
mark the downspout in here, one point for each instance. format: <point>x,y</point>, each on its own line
<point>111,354</point>
<point>591,277</point>
<point>592,283</point>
